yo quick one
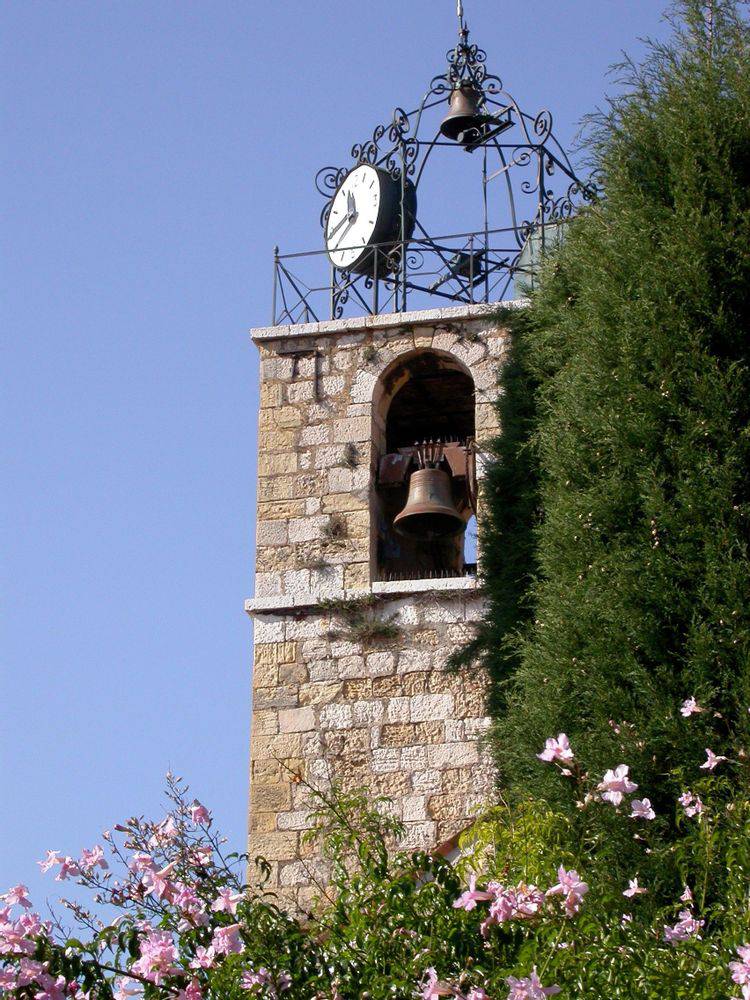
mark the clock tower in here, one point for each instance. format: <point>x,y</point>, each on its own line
<point>377,403</point>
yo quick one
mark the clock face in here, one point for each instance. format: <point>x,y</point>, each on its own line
<point>357,215</point>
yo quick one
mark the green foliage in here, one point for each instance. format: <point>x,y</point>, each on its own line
<point>360,621</point>
<point>617,534</point>
<point>390,914</point>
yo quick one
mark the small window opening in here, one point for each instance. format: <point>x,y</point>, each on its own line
<point>426,429</point>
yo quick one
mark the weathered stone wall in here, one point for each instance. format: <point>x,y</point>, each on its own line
<point>381,714</point>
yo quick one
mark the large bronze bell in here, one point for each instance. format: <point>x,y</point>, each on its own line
<point>465,121</point>
<point>430,512</point>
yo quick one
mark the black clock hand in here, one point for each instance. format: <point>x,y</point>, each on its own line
<point>338,226</point>
<point>351,223</point>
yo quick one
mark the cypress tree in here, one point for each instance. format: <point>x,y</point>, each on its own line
<point>616,533</point>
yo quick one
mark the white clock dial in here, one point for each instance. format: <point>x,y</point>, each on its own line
<point>354,216</point>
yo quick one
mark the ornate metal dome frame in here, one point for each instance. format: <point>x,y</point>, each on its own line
<point>518,150</point>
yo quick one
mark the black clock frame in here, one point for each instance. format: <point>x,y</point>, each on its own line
<point>397,216</point>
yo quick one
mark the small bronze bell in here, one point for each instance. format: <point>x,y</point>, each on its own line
<point>464,122</point>
<point>429,512</point>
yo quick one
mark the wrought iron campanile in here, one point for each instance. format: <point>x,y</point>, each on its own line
<point>529,189</point>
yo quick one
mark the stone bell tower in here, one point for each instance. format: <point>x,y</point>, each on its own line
<point>373,425</point>
<point>353,624</point>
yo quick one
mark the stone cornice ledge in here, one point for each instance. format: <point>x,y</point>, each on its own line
<point>383,321</point>
<point>285,603</point>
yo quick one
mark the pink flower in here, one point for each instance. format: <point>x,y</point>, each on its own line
<point>519,902</point>
<point>53,858</point>
<point>686,927</point>
<point>68,868</point>
<point>226,940</point>
<point>204,957</point>
<point>687,896</point>
<point>741,970</point>
<point>53,989</point>
<point>691,804</point>
<point>158,956</point>
<point>615,784</point>
<point>468,900</point>
<point>142,862</point>
<point>690,707</point>
<point>529,988</point>
<point>191,992</point>
<point>477,993</point>
<point>570,886</point>
<point>634,889</point>
<point>199,814</point>
<point>642,809</point>
<point>712,760</point>
<point>93,858</point>
<point>227,901</point>
<point>431,987</point>
<point>557,750</point>
<point>160,887</point>
<point>251,979</point>
<point>18,895</point>
<point>126,988</point>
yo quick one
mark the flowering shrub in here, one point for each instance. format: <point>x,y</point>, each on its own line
<point>536,916</point>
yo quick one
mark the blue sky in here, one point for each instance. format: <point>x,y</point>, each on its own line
<point>153,152</point>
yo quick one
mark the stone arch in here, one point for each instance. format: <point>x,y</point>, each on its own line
<point>421,394</point>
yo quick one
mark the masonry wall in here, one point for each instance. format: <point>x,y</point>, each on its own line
<point>371,710</point>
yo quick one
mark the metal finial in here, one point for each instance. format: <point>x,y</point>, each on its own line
<point>460,14</point>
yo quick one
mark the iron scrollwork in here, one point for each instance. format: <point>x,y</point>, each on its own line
<point>518,150</point>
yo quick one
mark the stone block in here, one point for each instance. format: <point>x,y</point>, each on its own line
<point>407,734</point>
<point>284,746</point>
<point>453,755</point>
<point>296,720</point>
<point>363,387</point>
<point>352,430</point>
<point>336,717</point>
<point>385,760</point>
<point>381,664</point>
<point>350,666</point>
<point>268,628</point>
<point>271,533</point>
<point>358,689</point>
<point>356,576</point>
<point>270,394</point>
<point>333,385</point>
<point>319,694</point>
<point>274,653</point>
<point>292,673</point>
<point>397,709</point>
<point>276,465</point>
<point>368,713</point>
<point>419,837</point>
<point>262,822</point>
<point>265,675</point>
<point>301,392</point>
<point>336,502</point>
<point>279,846</point>
<point>276,697</point>
<point>265,722</point>
<point>427,781</point>
<point>305,529</point>
<point>414,809</point>
<point>270,798</point>
<point>295,820</point>
<point>315,434</point>
<point>427,707</point>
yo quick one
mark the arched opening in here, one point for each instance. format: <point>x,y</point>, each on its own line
<point>424,426</point>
